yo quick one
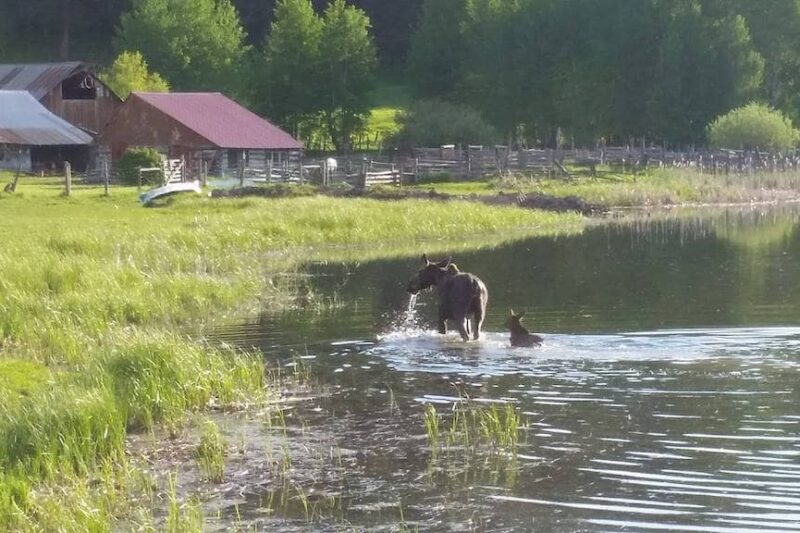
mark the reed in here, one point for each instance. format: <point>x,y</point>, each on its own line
<point>211,452</point>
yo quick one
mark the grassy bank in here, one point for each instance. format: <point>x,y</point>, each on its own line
<point>653,188</point>
<point>102,308</point>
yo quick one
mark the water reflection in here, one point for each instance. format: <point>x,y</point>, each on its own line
<point>664,397</point>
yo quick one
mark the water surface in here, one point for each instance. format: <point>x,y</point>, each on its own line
<point>665,396</point>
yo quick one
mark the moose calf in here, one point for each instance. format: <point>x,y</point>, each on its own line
<point>520,336</point>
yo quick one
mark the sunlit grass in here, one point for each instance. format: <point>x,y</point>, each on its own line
<point>102,303</point>
<point>651,188</point>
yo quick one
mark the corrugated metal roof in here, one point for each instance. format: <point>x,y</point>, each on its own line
<point>36,78</point>
<point>222,121</point>
<point>23,120</point>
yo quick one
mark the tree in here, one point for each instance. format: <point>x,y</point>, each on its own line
<point>129,73</point>
<point>348,67</point>
<point>434,123</point>
<point>437,48</point>
<point>775,30</point>
<point>292,61</point>
<point>195,44</point>
<point>753,126</point>
<point>706,67</point>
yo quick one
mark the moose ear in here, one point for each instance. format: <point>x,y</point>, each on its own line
<point>444,262</point>
<point>425,259</point>
<point>511,311</point>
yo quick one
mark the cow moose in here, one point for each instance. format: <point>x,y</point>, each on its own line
<point>461,295</point>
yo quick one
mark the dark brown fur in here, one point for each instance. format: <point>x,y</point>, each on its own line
<point>520,336</point>
<point>461,295</point>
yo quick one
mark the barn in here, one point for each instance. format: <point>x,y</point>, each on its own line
<point>70,90</point>
<point>32,138</point>
<point>200,128</point>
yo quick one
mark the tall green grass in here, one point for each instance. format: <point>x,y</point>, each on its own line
<point>103,304</point>
<point>651,188</point>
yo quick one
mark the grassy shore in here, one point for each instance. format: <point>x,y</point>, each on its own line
<point>650,189</point>
<point>102,308</point>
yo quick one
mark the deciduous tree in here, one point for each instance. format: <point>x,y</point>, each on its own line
<point>129,73</point>
<point>347,73</point>
<point>195,44</point>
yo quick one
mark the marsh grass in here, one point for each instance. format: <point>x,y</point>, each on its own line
<point>656,187</point>
<point>473,427</point>
<point>102,302</point>
<point>211,452</point>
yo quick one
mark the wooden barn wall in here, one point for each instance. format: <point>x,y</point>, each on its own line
<point>91,115</point>
<point>138,124</point>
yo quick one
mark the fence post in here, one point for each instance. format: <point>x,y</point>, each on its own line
<point>300,168</point>
<point>363,175</point>
<point>269,170</point>
<point>67,178</point>
<point>105,177</point>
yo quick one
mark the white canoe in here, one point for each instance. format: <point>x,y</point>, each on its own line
<point>166,190</point>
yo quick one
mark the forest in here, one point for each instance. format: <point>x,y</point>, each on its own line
<point>527,71</point>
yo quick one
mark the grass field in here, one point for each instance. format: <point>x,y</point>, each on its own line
<point>654,188</point>
<point>102,308</point>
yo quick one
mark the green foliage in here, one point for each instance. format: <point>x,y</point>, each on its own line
<point>348,60</point>
<point>210,453</point>
<point>436,122</point>
<point>135,158</point>
<point>195,44</point>
<point>753,126</point>
<point>615,69</point>
<point>129,73</point>
<point>292,63</point>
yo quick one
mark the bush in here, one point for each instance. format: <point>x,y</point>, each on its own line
<point>434,123</point>
<point>135,158</point>
<point>753,126</point>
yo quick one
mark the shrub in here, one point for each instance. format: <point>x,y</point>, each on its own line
<point>434,123</point>
<point>753,126</point>
<point>135,158</point>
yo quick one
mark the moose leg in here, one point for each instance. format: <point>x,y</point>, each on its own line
<point>461,323</point>
<point>478,318</point>
<point>443,326</point>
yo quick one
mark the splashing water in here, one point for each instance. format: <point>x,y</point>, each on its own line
<point>410,318</point>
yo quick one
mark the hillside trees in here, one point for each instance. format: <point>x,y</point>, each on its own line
<point>196,44</point>
<point>658,69</point>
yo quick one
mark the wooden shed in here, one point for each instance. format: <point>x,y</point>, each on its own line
<point>200,128</point>
<point>70,90</point>
<point>32,138</point>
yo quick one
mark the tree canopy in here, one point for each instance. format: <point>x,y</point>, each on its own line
<point>534,69</point>
<point>129,73</point>
<point>196,44</point>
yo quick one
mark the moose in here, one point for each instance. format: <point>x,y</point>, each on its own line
<point>520,336</point>
<point>461,295</point>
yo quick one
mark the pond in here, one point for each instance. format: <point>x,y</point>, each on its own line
<point>665,396</point>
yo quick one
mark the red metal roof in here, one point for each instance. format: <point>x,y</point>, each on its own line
<point>221,121</point>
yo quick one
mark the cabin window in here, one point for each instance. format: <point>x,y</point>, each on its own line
<point>81,86</point>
